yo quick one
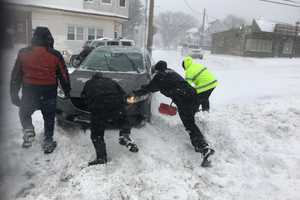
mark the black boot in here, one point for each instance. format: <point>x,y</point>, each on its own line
<point>100,149</point>
<point>128,142</point>
<point>49,145</point>
<point>199,144</point>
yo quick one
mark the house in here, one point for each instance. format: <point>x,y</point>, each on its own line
<point>213,27</point>
<point>261,39</point>
<point>71,22</point>
<point>195,35</point>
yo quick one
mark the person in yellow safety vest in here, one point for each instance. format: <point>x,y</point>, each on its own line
<point>198,76</point>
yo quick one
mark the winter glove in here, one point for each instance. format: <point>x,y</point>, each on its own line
<point>138,92</point>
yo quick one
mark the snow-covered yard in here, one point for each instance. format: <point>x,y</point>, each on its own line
<point>254,126</point>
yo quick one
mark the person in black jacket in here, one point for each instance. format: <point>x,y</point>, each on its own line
<point>172,85</point>
<point>106,101</point>
<point>37,70</point>
<point>76,61</point>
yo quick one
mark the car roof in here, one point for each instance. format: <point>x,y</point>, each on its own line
<point>103,39</point>
<point>112,40</point>
<point>117,49</point>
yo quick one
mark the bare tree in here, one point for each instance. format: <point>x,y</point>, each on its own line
<point>232,21</point>
<point>173,25</point>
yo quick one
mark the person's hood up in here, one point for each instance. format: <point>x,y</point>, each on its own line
<point>42,37</point>
<point>188,61</point>
<point>161,65</point>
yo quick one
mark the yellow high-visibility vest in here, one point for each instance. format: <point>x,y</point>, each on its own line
<point>198,76</point>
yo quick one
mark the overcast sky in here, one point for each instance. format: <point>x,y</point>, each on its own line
<point>247,9</point>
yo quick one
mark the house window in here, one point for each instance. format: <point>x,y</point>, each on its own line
<point>123,3</point>
<point>79,33</point>
<point>91,33</point>
<point>99,33</point>
<point>259,45</point>
<point>106,1</point>
<point>71,33</point>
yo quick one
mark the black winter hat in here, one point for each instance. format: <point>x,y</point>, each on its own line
<point>161,65</point>
<point>42,37</point>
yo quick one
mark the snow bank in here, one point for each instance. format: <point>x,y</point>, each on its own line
<point>253,125</point>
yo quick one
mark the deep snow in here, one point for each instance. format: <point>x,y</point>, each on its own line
<point>254,126</point>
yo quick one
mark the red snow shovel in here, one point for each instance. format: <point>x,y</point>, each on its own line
<point>167,109</point>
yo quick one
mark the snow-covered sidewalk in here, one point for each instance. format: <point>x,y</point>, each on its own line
<point>254,126</point>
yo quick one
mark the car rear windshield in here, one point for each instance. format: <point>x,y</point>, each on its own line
<point>100,60</point>
<point>97,44</point>
<point>126,43</point>
<point>113,43</point>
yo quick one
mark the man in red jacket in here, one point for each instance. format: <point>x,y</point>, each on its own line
<point>37,70</point>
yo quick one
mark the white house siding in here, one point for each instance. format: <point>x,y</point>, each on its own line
<point>58,21</point>
<point>114,7</point>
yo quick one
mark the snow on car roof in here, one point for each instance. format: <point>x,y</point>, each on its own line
<point>117,49</point>
<point>75,6</point>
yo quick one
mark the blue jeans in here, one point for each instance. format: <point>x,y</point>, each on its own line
<point>39,98</point>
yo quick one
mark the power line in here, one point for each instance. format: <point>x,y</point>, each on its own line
<point>190,7</point>
<point>281,3</point>
<point>197,12</point>
<point>291,1</point>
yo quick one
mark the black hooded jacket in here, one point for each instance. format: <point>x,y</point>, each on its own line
<point>104,94</point>
<point>170,84</point>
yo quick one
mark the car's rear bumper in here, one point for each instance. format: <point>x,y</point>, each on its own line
<point>196,55</point>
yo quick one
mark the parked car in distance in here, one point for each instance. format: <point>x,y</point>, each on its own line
<point>192,50</point>
<point>98,43</point>
<point>111,42</point>
<point>130,67</point>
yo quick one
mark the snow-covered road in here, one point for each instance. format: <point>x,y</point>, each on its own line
<point>254,126</point>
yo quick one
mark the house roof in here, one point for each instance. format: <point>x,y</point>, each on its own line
<point>265,25</point>
<point>279,27</point>
<point>63,5</point>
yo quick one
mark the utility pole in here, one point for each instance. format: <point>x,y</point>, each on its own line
<point>203,28</point>
<point>295,39</point>
<point>150,26</point>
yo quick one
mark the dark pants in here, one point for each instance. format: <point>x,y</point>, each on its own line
<point>203,99</point>
<point>38,98</point>
<point>186,111</point>
<point>100,120</point>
